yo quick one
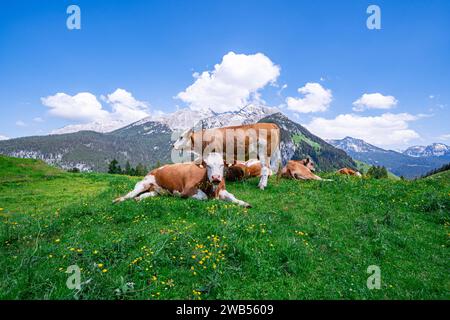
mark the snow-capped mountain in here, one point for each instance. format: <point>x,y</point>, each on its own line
<point>432,150</point>
<point>97,126</point>
<point>401,164</point>
<point>181,120</point>
<point>247,115</point>
<point>349,144</point>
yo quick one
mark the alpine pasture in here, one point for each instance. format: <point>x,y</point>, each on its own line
<point>301,240</point>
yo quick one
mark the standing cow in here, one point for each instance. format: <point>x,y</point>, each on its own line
<point>198,181</point>
<point>237,143</point>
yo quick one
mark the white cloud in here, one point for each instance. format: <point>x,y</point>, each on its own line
<point>85,107</point>
<point>231,84</point>
<point>374,101</point>
<point>20,123</point>
<point>38,119</point>
<point>387,130</point>
<point>445,137</point>
<point>3,137</point>
<point>315,99</point>
<point>125,107</point>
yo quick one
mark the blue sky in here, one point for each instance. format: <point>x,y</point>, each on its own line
<point>150,50</point>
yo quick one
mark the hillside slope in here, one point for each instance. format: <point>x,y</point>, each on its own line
<point>92,151</point>
<point>301,240</point>
<point>298,143</point>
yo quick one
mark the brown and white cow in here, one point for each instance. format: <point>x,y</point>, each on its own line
<point>308,163</point>
<point>300,170</point>
<point>237,143</point>
<point>243,170</point>
<point>349,172</point>
<point>200,181</point>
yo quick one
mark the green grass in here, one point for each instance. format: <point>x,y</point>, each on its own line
<point>297,138</point>
<point>301,240</point>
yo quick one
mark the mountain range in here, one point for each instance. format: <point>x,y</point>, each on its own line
<point>433,150</point>
<point>148,141</point>
<point>90,147</point>
<point>413,162</point>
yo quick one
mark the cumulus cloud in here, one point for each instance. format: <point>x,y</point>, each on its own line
<point>126,107</point>
<point>387,130</point>
<point>3,137</point>
<point>85,107</point>
<point>315,99</point>
<point>374,101</point>
<point>231,84</point>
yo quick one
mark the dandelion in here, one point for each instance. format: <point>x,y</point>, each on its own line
<point>58,240</point>
<point>50,256</point>
<point>100,265</point>
<point>105,270</point>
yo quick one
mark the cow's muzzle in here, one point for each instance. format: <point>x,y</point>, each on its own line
<point>216,179</point>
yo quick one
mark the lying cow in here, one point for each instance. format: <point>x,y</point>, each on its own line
<point>244,170</point>
<point>349,172</point>
<point>198,181</point>
<point>259,140</point>
<point>300,170</point>
<point>308,163</point>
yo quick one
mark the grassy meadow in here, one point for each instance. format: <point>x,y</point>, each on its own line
<point>301,240</point>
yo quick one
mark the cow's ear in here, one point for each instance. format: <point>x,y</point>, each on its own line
<point>307,160</point>
<point>201,164</point>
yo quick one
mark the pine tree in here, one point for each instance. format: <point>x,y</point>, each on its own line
<point>141,170</point>
<point>377,172</point>
<point>114,167</point>
<point>128,169</point>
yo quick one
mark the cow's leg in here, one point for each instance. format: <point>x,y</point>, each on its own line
<point>139,188</point>
<point>226,196</point>
<point>200,195</point>
<point>262,155</point>
<point>146,195</point>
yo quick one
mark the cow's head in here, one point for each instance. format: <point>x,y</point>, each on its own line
<point>235,173</point>
<point>214,167</point>
<point>184,140</point>
<point>309,164</point>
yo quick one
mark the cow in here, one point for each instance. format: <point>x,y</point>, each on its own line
<point>188,180</point>
<point>308,163</point>
<point>242,170</point>
<point>349,172</point>
<point>300,170</point>
<point>238,143</point>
